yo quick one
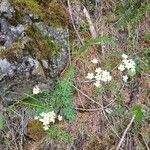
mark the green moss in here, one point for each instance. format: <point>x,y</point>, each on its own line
<point>23,7</point>
<point>53,45</point>
<point>10,52</point>
<point>41,47</point>
<point>56,15</point>
<point>94,144</point>
<point>28,5</point>
<point>52,12</point>
<point>35,130</point>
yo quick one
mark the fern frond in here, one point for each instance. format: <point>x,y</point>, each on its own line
<point>98,40</point>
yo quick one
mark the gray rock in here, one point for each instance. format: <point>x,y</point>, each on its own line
<point>11,37</point>
<point>6,9</point>
<point>20,76</point>
<point>5,65</point>
<point>8,33</point>
<point>5,68</point>
<point>24,71</point>
<point>19,28</point>
<point>27,20</point>
<point>5,26</point>
<point>59,35</point>
<point>45,63</point>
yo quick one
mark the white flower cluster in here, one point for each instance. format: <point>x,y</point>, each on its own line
<point>94,61</point>
<point>47,118</point>
<point>128,64</point>
<point>36,90</point>
<point>101,75</point>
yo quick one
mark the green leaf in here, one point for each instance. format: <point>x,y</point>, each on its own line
<point>1,121</point>
<point>131,73</point>
<point>61,98</point>
<point>33,102</point>
<point>137,111</point>
<point>114,53</point>
<point>147,52</point>
<point>59,134</point>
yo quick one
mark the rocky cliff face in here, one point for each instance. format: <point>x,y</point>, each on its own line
<point>32,52</point>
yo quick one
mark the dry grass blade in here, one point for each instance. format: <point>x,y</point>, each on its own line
<point>124,133</point>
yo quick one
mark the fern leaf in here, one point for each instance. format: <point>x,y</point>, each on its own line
<point>98,40</point>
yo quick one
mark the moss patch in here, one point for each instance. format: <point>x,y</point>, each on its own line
<point>26,6</point>
<point>41,47</point>
<point>52,12</point>
<point>56,15</point>
<point>10,53</point>
<point>23,7</point>
<point>35,130</point>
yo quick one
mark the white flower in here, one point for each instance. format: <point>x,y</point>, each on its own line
<point>36,90</point>
<point>129,64</point>
<point>46,118</point>
<point>94,61</point>
<point>106,76</point>
<point>45,121</point>
<point>105,73</point>
<point>42,114</point>
<point>45,127</point>
<point>97,84</point>
<point>98,77</point>
<point>132,62</point>
<point>125,78</point>
<point>121,67</point>
<point>124,56</point>
<point>52,116</point>
<point>98,70</point>
<point>101,75</point>
<point>59,117</point>
<point>125,61</point>
<point>36,117</point>
<point>90,76</point>
<point>109,78</point>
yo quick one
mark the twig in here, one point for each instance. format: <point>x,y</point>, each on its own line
<point>145,143</point>
<point>94,109</point>
<point>105,115</point>
<point>80,99</point>
<point>125,132</point>
<point>91,26</point>
<point>146,74</point>
<point>87,96</point>
<point>22,130</point>
<point>87,110</point>
<point>72,20</point>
